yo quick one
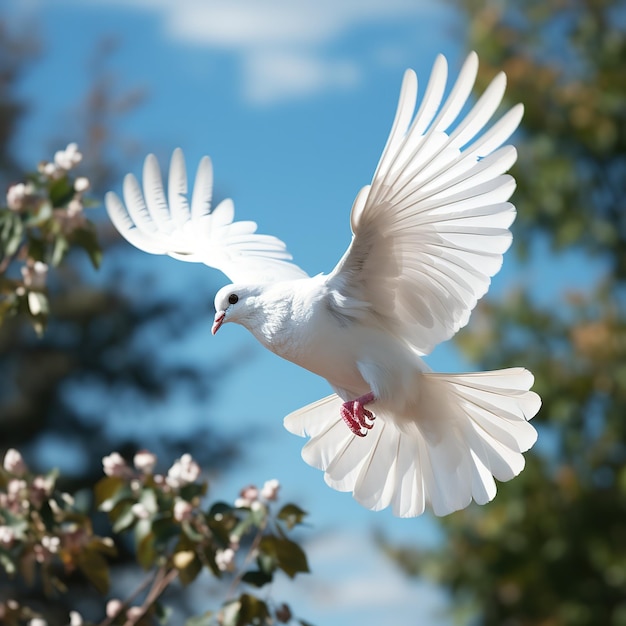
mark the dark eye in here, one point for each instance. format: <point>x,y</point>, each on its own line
<point>233,298</point>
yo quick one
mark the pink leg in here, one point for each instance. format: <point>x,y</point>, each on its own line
<point>355,415</point>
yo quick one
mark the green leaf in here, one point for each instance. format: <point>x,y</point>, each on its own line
<point>7,562</point>
<point>146,552</point>
<point>288,555</point>
<point>188,565</point>
<point>95,567</point>
<point>257,578</point>
<point>122,516</point>
<point>61,247</point>
<point>109,491</point>
<point>244,611</point>
<point>11,232</point>
<point>87,239</point>
<point>292,515</point>
<point>61,191</point>
<point>253,611</point>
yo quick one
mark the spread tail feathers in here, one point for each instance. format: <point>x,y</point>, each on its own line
<point>469,428</point>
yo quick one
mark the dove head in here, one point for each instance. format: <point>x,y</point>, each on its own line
<point>236,303</point>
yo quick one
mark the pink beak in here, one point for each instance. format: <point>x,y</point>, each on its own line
<point>219,320</point>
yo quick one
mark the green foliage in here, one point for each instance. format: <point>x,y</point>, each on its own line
<point>45,537</point>
<point>42,221</point>
<point>47,542</point>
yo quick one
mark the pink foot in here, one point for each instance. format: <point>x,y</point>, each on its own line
<point>355,415</point>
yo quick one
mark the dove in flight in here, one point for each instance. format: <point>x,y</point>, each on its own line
<point>429,232</point>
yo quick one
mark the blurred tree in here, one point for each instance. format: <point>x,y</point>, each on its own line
<point>551,549</point>
<point>65,395</point>
<point>17,50</point>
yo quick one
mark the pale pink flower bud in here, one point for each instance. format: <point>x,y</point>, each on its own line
<point>183,472</point>
<point>37,621</point>
<point>81,184</point>
<point>34,274</point>
<point>225,560</point>
<point>270,490</point>
<point>74,207</point>
<point>35,305</point>
<point>7,535</point>
<point>41,489</point>
<point>51,170</point>
<point>247,496</point>
<point>182,510</point>
<point>16,196</point>
<point>62,160</point>
<point>76,619</point>
<point>114,465</point>
<point>145,461</point>
<point>113,607</point>
<point>135,612</point>
<point>51,544</point>
<point>14,463</point>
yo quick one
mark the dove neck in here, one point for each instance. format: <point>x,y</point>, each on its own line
<point>278,315</point>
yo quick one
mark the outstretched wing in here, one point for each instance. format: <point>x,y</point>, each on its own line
<point>196,232</point>
<point>431,229</point>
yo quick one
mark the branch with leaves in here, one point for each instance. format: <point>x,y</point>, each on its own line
<point>45,536</point>
<point>42,221</point>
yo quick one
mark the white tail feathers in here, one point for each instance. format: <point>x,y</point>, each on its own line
<point>469,428</point>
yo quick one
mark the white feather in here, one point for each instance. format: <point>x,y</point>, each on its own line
<point>429,232</point>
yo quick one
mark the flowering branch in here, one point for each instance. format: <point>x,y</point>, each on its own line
<point>176,538</point>
<point>42,221</point>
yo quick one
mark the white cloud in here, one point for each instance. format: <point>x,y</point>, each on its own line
<point>277,75</point>
<point>283,46</point>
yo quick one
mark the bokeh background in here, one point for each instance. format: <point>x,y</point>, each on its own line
<point>293,102</point>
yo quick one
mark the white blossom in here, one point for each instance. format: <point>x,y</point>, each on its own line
<point>34,274</point>
<point>51,543</point>
<point>182,510</point>
<point>113,607</point>
<point>184,471</point>
<point>68,158</point>
<point>51,170</point>
<point>37,621</point>
<point>114,465</point>
<point>145,461</point>
<point>74,207</point>
<point>14,463</point>
<point>7,535</point>
<point>76,619</point>
<point>247,496</point>
<point>35,304</point>
<point>134,613</point>
<point>81,184</point>
<point>225,560</point>
<point>270,489</point>
<point>16,196</point>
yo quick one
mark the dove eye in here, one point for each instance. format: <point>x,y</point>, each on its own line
<point>233,298</point>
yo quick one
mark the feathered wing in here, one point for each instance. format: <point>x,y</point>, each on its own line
<point>470,429</point>
<point>195,231</point>
<point>431,229</point>
<point>429,232</point>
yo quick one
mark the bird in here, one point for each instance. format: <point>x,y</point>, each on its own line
<point>428,234</point>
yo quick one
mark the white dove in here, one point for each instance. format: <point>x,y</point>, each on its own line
<point>428,233</point>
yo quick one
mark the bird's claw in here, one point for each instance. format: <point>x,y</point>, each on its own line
<point>356,416</point>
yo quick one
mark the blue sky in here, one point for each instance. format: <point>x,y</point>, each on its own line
<point>293,101</point>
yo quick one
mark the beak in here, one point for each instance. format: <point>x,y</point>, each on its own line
<point>219,320</point>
